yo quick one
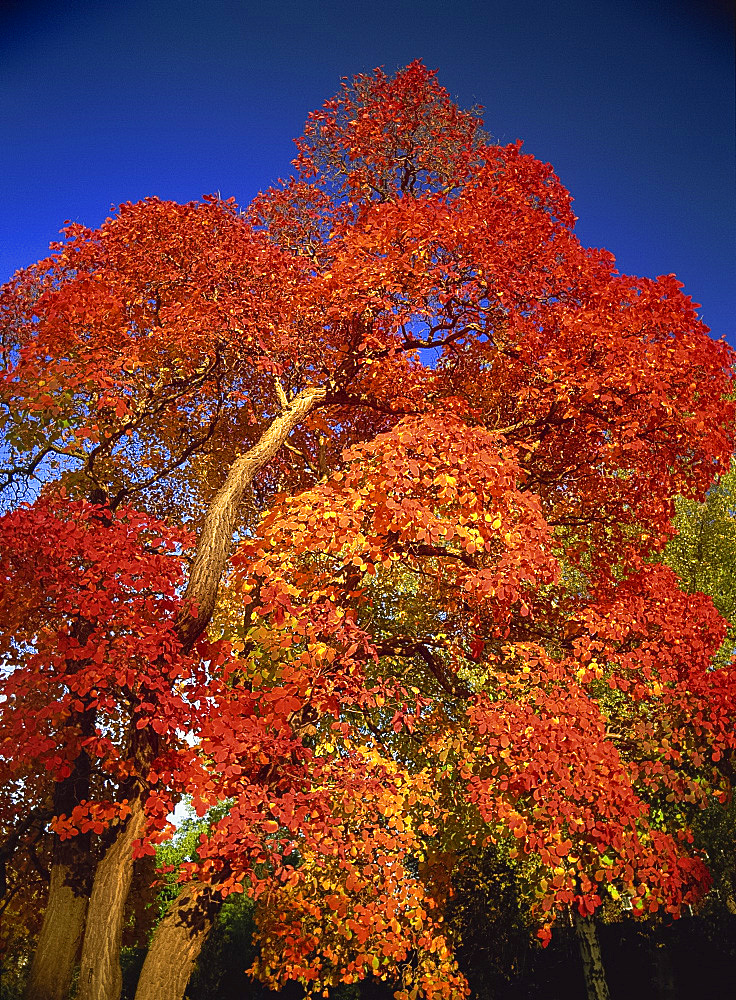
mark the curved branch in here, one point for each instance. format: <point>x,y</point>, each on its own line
<point>213,546</point>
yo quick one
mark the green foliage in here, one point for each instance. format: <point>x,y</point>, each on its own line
<point>172,854</point>
<point>703,553</point>
<point>227,953</point>
<point>181,848</point>
<point>13,975</point>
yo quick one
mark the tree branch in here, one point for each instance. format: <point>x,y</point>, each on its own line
<point>213,546</point>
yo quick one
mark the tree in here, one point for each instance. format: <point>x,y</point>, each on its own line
<point>122,414</point>
<point>442,566</point>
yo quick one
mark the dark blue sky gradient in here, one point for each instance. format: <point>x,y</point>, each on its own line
<point>104,101</point>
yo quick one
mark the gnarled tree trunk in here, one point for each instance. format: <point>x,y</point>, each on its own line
<point>100,977</point>
<point>63,924</point>
<point>58,944</point>
<point>176,944</point>
<point>215,539</point>
<point>590,952</point>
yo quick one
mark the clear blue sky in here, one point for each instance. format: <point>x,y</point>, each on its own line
<point>632,101</point>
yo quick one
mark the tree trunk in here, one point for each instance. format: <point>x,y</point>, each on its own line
<point>215,539</point>
<point>66,908</point>
<point>58,944</point>
<point>100,977</point>
<point>590,952</point>
<point>176,944</point>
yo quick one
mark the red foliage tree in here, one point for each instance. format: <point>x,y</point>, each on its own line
<point>460,433</point>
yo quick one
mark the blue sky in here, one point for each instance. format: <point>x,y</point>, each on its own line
<point>631,101</point>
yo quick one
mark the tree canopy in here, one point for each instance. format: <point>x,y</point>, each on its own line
<point>343,510</point>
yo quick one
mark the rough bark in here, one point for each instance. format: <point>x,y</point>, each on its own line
<point>58,944</point>
<point>590,952</point>
<point>176,944</point>
<point>213,546</point>
<point>100,977</point>
<point>63,924</point>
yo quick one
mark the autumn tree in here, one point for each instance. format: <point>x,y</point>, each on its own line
<point>590,760</point>
<point>447,437</point>
<point>588,402</point>
<point>120,417</point>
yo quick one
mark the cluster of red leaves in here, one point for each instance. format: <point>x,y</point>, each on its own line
<point>323,835</point>
<point>584,748</point>
<point>90,656</point>
<point>140,347</point>
<point>383,136</point>
<point>430,488</point>
<point>592,761</point>
<point>354,907</point>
